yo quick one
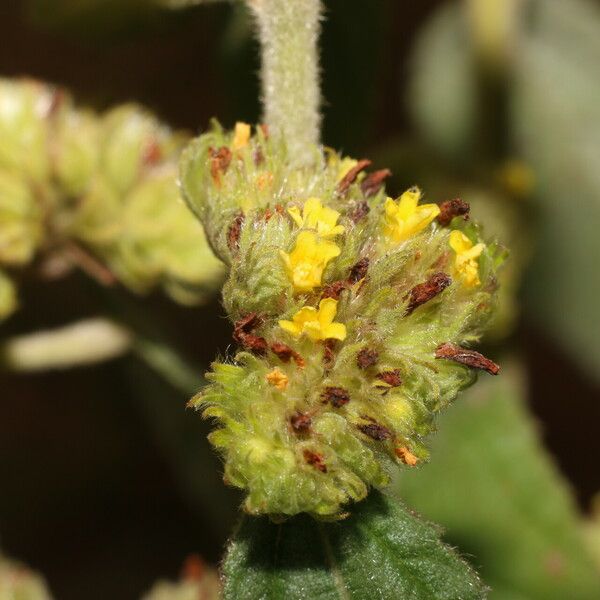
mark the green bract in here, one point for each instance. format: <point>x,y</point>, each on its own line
<point>103,183</point>
<point>350,335</point>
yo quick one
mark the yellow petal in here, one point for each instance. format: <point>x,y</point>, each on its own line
<point>327,310</point>
<point>291,327</point>
<point>335,331</point>
<point>294,212</point>
<point>459,242</point>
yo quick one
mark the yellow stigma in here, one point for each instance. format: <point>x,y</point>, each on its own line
<point>317,324</point>
<point>307,261</point>
<point>466,264</point>
<point>406,218</point>
<point>241,135</point>
<point>316,216</point>
<point>277,378</point>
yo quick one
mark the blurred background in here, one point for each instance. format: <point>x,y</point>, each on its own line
<point>106,483</point>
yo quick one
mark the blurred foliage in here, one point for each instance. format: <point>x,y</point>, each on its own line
<point>492,485</point>
<point>17,582</point>
<point>381,551</point>
<point>548,100</point>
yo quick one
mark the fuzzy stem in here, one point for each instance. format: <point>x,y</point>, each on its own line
<point>288,32</point>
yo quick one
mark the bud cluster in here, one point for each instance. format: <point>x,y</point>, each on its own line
<point>106,184</point>
<point>351,310</point>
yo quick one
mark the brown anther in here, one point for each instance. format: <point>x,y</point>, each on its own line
<point>424,292</point>
<point>392,377</point>
<point>316,460</point>
<point>152,153</point>
<point>406,456</point>
<point>359,212</point>
<point>242,334</point>
<point>193,568</point>
<point>328,352</point>
<point>234,231</point>
<point>301,422</point>
<point>376,431</point>
<point>359,270</point>
<point>219,162</point>
<point>337,396</point>
<point>333,290</point>
<point>350,177</point>
<point>265,130</point>
<point>285,353</point>
<point>373,182</point>
<point>366,358</point>
<point>470,358</point>
<point>453,208</point>
<point>258,156</point>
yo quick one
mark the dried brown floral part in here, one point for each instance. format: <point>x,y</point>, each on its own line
<point>336,396</point>
<point>359,270</point>
<point>219,162</point>
<point>285,353</point>
<point>374,181</point>
<point>234,231</point>
<point>258,155</point>
<point>152,153</point>
<point>424,292</point>
<point>333,290</point>
<point>453,208</point>
<point>328,352</point>
<point>316,460</point>
<point>375,431</point>
<point>470,358</point>
<point>265,130</point>
<point>194,568</point>
<point>406,456</point>
<point>359,212</point>
<point>391,377</point>
<point>350,177</point>
<point>242,334</point>
<point>301,422</point>
<point>366,358</point>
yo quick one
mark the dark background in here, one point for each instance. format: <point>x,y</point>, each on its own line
<point>87,495</point>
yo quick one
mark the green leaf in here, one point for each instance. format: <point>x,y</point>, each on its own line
<point>492,485</point>
<point>382,551</point>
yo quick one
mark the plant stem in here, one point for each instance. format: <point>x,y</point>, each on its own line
<point>288,32</point>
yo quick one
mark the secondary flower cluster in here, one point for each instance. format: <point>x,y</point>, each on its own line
<point>352,311</point>
<point>95,191</point>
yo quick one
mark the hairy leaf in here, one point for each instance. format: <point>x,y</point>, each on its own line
<point>492,485</point>
<point>382,552</point>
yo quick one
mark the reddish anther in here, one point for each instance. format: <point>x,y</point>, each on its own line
<point>374,181</point>
<point>470,358</point>
<point>316,460</point>
<point>350,177</point>
<point>366,358</point>
<point>453,208</point>
<point>337,396</point>
<point>424,292</point>
<point>285,353</point>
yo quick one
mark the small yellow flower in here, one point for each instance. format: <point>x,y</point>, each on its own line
<point>316,216</point>
<point>317,324</point>
<point>277,378</point>
<point>241,135</point>
<point>407,218</point>
<point>307,261</point>
<point>465,262</point>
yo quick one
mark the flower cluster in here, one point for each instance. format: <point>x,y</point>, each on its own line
<point>353,312</point>
<point>98,191</point>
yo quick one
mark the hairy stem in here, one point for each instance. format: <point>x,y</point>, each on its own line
<point>288,32</point>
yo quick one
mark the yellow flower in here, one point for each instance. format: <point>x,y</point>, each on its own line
<point>307,261</point>
<point>241,135</point>
<point>277,378</point>
<point>465,262</point>
<point>316,216</point>
<point>317,324</point>
<point>407,218</point>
